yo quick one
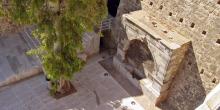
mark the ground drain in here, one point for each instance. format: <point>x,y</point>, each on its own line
<point>106,74</point>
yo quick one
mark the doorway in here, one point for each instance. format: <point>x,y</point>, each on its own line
<point>113,7</point>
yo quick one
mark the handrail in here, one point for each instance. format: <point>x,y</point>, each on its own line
<point>106,24</point>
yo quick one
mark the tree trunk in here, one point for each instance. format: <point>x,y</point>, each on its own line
<point>64,86</point>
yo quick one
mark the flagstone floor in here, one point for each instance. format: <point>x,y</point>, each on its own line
<point>96,90</point>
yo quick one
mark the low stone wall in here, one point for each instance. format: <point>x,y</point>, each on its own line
<point>212,100</point>
<point>21,76</point>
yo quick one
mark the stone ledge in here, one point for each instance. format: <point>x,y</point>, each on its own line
<point>21,76</point>
<point>157,31</point>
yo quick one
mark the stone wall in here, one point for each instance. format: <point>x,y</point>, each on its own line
<point>197,20</point>
<point>160,54</point>
<point>125,6</point>
<point>212,100</point>
<point>187,91</point>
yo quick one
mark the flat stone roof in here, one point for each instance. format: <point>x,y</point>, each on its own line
<point>166,36</point>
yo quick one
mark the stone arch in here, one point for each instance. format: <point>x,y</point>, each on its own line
<point>139,57</point>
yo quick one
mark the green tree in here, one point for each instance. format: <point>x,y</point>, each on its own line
<point>60,25</point>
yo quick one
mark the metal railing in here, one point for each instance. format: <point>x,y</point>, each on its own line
<point>34,43</point>
<point>106,24</point>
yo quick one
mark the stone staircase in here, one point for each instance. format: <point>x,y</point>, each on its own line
<point>32,42</point>
<point>15,64</point>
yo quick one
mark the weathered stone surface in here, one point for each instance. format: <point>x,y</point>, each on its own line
<point>196,20</point>
<point>212,100</point>
<point>203,14</point>
<point>186,90</point>
<point>159,51</point>
<point>91,42</point>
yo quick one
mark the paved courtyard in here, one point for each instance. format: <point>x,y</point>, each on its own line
<point>96,90</point>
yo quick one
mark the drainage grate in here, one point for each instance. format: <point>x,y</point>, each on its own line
<point>133,103</point>
<point>106,74</point>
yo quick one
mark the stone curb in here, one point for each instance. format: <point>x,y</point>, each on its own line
<point>21,76</point>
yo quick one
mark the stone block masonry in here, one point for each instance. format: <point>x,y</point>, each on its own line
<point>158,58</point>
<point>196,20</point>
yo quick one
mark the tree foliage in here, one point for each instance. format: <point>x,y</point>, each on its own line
<point>60,25</point>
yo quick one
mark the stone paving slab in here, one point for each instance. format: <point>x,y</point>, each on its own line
<point>95,91</point>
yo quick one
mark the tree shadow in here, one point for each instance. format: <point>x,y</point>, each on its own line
<point>121,79</point>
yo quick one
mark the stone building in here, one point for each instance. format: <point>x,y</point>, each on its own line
<point>169,49</point>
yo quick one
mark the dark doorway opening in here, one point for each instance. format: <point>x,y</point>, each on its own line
<point>139,57</point>
<point>113,7</point>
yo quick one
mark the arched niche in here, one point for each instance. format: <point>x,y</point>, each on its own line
<point>139,57</point>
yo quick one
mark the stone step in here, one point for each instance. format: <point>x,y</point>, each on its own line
<point>21,76</point>
<point>148,90</point>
